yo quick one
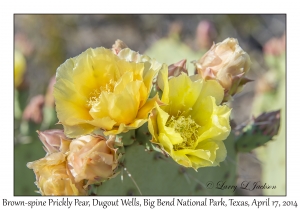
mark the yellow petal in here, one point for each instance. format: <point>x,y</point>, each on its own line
<point>122,128</point>
<point>105,123</point>
<point>148,106</point>
<point>162,80</point>
<point>181,158</point>
<point>150,73</point>
<point>152,126</point>
<point>83,75</point>
<point>202,111</point>
<point>123,107</point>
<point>183,94</point>
<point>214,89</point>
<point>217,127</point>
<point>126,78</point>
<point>165,142</point>
<point>79,129</point>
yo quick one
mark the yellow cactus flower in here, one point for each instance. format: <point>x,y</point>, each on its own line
<point>92,158</point>
<point>53,176</point>
<point>101,90</point>
<point>20,67</point>
<point>192,125</point>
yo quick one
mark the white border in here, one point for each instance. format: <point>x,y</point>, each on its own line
<point>6,85</point>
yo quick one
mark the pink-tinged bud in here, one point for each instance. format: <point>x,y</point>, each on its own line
<point>118,46</point>
<point>175,69</point>
<point>54,141</point>
<point>34,110</point>
<point>92,158</point>
<point>227,63</point>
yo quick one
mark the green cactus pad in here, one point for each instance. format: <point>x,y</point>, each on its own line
<point>262,130</point>
<point>250,140</point>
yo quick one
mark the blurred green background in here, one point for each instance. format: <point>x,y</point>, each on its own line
<point>46,41</point>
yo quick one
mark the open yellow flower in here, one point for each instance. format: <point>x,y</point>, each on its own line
<point>192,125</point>
<point>99,89</point>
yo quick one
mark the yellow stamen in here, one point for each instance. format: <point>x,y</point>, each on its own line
<point>187,128</point>
<point>95,94</point>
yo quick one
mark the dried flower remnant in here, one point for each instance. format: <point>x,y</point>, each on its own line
<point>92,158</point>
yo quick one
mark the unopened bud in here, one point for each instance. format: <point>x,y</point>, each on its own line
<point>227,63</point>
<point>175,69</point>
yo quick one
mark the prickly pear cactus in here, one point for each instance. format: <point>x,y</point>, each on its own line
<point>148,172</point>
<point>169,149</point>
<point>259,132</point>
<point>143,164</point>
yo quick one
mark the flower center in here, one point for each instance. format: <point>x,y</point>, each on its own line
<point>95,94</point>
<point>187,128</point>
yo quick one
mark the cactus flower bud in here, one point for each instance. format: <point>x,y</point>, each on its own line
<point>227,63</point>
<point>175,69</point>
<point>92,158</point>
